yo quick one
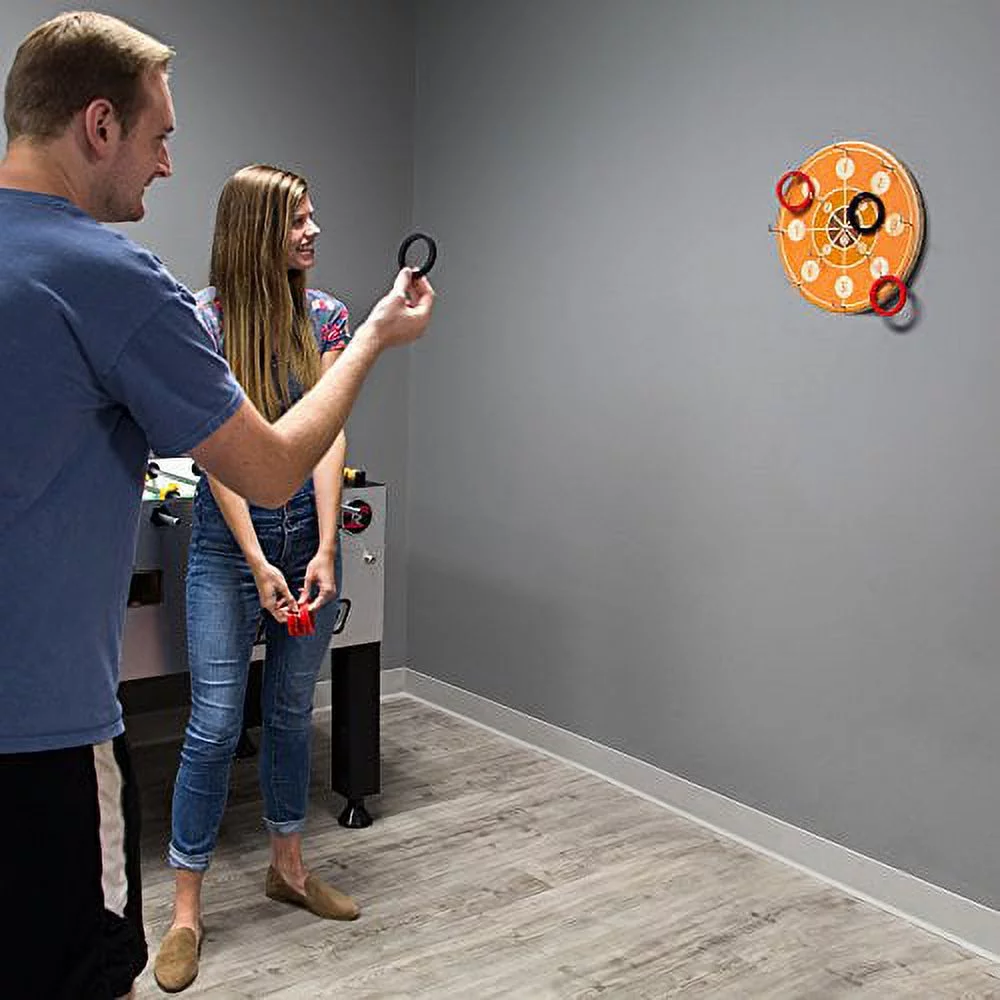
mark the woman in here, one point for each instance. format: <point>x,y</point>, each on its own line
<point>278,337</point>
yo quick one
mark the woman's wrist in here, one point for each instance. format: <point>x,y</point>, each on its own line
<point>327,546</point>
<point>256,561</point>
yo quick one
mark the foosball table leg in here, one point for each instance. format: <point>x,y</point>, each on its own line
<point>355,684</point>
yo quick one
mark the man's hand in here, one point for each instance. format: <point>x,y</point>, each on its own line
<point>401,316</point>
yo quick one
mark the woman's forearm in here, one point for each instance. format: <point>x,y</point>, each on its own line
<point>328,480</point>
<point>237,516</point>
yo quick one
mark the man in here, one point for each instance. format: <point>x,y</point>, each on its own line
<point>103,359</point>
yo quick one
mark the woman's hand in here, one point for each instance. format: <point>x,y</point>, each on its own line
<point>321,578</point>
<point>275,597</point>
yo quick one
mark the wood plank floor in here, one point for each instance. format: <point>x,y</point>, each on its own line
<point>495,871</point>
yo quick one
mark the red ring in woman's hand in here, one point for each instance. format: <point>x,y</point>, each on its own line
<point>300,621</point>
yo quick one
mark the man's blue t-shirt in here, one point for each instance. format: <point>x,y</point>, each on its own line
<point>102,359</point>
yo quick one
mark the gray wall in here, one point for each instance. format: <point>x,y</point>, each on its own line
<point>657,498</point>
<point>325,89</point>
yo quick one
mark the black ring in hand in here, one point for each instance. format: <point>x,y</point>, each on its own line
<point>432,253</point>
<point>852,213</point>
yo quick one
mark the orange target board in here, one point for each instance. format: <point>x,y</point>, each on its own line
<point>850,228</point>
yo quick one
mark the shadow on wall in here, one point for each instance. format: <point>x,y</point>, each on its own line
<point>908,318</point>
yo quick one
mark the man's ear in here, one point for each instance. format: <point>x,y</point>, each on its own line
<point>101,125</point>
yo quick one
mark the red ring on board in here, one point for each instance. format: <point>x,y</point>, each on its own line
<point>795,175</point>
<point>878,285</point>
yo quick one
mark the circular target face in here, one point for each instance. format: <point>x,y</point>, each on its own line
<point>868,222</point>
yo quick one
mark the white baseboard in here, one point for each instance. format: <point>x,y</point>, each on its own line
<point>394,681</point>
<point>962,921</point>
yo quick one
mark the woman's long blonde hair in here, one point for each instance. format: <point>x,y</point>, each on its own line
<point>267,329</point>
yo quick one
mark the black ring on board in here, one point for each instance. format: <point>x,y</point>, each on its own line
<point>852,213</point>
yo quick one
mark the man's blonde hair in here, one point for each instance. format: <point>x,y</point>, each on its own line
<point>74,59</point>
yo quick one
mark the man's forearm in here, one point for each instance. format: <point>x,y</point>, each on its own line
<point>307,431</point>
<point>310,427</point>
<point>267,463</point>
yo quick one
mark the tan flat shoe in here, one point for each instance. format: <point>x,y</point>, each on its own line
<point>319,898</point>
<point>176,964</point>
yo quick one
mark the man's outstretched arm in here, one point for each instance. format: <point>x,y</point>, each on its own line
<point>267,463</point>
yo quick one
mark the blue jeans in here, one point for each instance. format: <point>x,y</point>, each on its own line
<point>223,613</point>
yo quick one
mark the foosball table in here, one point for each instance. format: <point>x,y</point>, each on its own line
<point>155,639</point>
